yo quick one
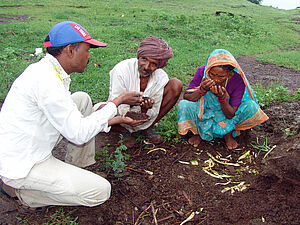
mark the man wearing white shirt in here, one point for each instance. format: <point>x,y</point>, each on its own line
<point>38,110</point>
<point>144,73</point>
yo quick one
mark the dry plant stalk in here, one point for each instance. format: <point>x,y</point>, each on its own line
<point>224,163</point>
<point>142,213</point>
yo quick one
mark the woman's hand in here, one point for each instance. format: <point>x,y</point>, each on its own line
<point>207,84</point>
<point>218,91</point>
<point>192,94</point>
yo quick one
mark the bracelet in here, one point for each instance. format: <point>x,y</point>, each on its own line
<point>222,100</point>
<point>114,103</point>
<point>200,92</point>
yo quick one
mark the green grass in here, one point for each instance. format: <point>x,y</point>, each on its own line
<point>191,28</point>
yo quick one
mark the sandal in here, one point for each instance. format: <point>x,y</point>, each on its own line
<point>128,140</point>
<point>154,138</point>
<point>17,203</point>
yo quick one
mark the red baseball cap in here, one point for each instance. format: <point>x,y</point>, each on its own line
<point>68,32</point>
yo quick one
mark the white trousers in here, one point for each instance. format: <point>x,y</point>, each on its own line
<point>53,182</point>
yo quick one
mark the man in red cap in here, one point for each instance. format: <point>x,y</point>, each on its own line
<point>38,110</point>
<point>144,73</point>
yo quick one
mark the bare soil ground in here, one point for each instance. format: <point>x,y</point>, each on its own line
<point>177,188</point>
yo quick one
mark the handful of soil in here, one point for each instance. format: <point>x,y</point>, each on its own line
<point>137,115</point>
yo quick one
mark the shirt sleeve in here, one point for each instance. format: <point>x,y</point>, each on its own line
<point>57,105</point>
<point>195,82</point>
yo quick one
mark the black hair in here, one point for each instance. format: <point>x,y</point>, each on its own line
<point>55,51</point>
<point>227,67</point>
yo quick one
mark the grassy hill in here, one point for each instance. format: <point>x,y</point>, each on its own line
<point>191,27</point>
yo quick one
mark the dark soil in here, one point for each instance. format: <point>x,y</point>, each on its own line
<point>137,116</point>
<point>179,186</point>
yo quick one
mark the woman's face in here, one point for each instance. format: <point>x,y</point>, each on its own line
<point>219,75</point>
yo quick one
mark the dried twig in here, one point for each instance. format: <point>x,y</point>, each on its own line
<point>187,197</point>
<point>166,218</point>
<point>135,170</point>
<point>154,213</point>
<point>142,213</point>
<point>157,149</point>
<point>180,157</point>
<point>224,163</point>
<point>269,151</point>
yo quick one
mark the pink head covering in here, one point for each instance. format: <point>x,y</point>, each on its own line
<point>155,48</point>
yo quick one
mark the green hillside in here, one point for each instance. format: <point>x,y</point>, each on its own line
<point>191,27</point>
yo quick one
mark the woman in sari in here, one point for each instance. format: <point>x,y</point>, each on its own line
<point>219,102</point>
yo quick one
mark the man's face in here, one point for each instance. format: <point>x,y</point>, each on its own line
<point>147,66</point>
<point>81,57</point>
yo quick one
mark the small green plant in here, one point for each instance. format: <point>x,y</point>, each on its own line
<point>115,160</point>
<point>168,127</point>
<point>59,217</point>
<point>264,147</point>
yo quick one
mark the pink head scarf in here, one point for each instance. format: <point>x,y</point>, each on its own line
<point>155,48</point>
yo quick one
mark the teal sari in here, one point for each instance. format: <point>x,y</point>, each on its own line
<point>205,116</point>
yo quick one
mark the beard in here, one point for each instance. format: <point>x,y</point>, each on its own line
<point>143,72</point>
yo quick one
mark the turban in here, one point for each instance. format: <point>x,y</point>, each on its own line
<point>155,48</point>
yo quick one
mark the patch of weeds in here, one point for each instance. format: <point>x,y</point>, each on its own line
<point>260,147</point>
<point>115,160</point>
<point>288,131</point>
<point>22,220</point>
<point>274,93</point>
<point>167,127</point>
<point>59,217</point>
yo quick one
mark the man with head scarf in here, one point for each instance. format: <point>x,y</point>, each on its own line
<point>145,74</point>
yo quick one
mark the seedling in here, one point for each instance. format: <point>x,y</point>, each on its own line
<point>261,147</point>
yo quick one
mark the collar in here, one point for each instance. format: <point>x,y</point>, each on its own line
<point>59,71</point>
<point>57,67</point>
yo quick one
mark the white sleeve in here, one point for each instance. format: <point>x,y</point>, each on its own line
<point>59,108</point>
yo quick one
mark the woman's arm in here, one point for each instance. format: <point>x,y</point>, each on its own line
<point>227,109</point>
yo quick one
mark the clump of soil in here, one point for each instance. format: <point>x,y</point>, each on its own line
<point>137,115</point>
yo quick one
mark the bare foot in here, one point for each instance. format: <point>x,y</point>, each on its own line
<point>230,142</point>
<point>195,140</point>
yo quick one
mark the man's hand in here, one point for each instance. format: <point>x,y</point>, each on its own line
<point>130,98</point>
<point>146,104</point>
<point>218,91</point>
<point>131,122</point>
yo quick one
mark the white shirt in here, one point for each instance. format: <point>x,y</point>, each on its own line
<point>37,109</point>
<point>125,77</point>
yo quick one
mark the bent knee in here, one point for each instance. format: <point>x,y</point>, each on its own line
<point>175,85</point>
<point>97,194</point>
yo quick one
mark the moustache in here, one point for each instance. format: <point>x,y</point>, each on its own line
<point>142,68</point>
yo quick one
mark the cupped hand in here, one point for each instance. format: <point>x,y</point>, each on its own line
<point>131,122</point>
<point>218,91</point>
<point>207,84</point>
